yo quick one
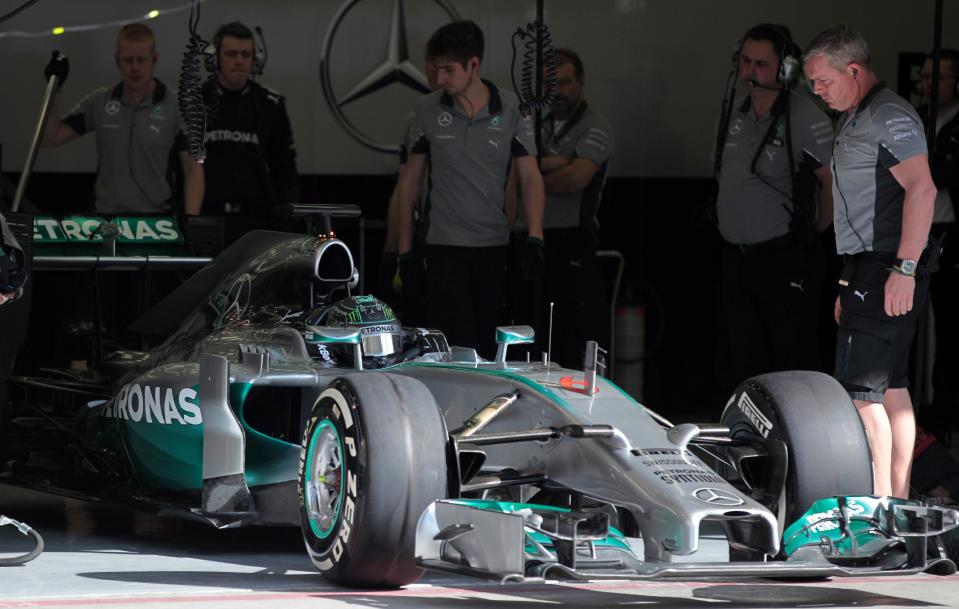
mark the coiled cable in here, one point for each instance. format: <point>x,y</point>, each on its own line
<point>26,530</point>
<point>526,92</point>
<point>190,95</point>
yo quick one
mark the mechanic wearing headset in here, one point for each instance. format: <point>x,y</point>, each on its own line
<point>138,131</point>
<point>774,147</point>
<point>944,285</point>
<point>471,131</point>
<point>884,199</point>
<point>251,158</point>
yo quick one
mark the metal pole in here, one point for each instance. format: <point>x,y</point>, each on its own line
<point>35,144</point>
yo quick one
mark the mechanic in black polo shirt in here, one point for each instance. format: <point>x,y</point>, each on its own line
<point>251,157</point>
<point>776,146</point>
<point>138,132</point>
<point>944,285</point>
<point>471,130</point>
<point>884,198</point>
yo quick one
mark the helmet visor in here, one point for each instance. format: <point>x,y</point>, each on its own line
<point>381,344</point>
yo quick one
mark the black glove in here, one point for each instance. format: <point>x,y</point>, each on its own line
<point>531,265</point>
<point>385,275</point>
<point>13,273</point>
<point>412,273</point>
<point>59,66</point>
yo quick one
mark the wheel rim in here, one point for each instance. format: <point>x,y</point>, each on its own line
<point>324,479</point>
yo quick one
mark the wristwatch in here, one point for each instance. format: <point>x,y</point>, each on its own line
<point>905,267</point>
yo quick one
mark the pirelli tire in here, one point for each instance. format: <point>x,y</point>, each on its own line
<point>825,442</point>
<point>374,457</point>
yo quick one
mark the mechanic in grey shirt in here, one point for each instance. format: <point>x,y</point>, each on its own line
<point>471,131</point>
<point>884,198</point>
<point>578,146</point>
<point>138,132</point>
<point>773,169</point>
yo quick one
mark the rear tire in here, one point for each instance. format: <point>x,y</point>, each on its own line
<point>828,453</point>
<point>373,459</point>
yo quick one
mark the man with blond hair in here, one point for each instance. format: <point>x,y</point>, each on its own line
<point>138,131</point>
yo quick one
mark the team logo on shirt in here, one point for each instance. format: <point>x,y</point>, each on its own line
<point>494,121</point>
<point>112,107</point>
<point>445,119</point>
<point>736,127</point>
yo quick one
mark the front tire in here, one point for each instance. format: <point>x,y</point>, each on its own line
<point>373,459</point>
<point>826,446</point>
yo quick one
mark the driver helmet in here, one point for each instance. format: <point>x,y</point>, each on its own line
<point>381,334</point>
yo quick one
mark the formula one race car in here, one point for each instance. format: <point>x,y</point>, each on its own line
<point>278,398</point>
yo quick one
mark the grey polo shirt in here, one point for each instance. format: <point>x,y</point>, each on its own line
<point>883,131</point>
<point>469,165</point>
<point>586,135</point>
<point>134,146</point>
<point>756,207</point>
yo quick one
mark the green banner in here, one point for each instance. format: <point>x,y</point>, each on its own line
<point>83,229</point>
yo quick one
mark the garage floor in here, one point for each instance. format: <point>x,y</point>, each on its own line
<point>99,555</point>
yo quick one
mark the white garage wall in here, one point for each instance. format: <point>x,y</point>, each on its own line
<point>656,68</point>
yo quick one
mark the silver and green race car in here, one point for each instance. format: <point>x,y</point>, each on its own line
<point>279,398</point>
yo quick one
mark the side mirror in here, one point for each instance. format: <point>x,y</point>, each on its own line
<point>511,335</point>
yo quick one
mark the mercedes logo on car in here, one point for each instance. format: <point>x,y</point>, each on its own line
<point>714,496</point>
<point>396,67</point>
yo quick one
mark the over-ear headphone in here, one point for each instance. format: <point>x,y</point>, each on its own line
<point>211,54</point>
<point>789,62</point>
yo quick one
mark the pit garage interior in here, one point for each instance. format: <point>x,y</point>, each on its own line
<point>656,70</point>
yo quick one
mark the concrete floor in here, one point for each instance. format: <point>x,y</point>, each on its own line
<point>101,555</point>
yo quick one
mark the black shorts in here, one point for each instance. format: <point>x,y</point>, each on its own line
<point>872,348</point>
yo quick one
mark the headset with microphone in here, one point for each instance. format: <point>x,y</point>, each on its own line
<point>789,62</point>
<point>211,54</point>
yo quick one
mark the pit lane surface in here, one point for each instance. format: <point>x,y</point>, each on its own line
<point>101,555</point>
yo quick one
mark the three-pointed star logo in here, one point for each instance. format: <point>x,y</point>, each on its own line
<point>714,496</point>
<point>395,68</point>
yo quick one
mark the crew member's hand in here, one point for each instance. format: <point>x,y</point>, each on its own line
<point>386,274</point>
<point>899,293</point>
<point>59,66</point>
<point>531,265</point>
<point>837,310</point>
<point>7,297</point>
<point>412,273</point>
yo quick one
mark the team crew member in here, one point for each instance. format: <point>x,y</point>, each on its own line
<point>251,156</point>
<point>578,144</point>
<point>471,131</point>
<point>944,285</point>
<point>884,198</point>
<point>138,132</point>
<point>777,145</point>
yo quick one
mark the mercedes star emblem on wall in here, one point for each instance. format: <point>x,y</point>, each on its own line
<point>395,68</point>
<point>714,496</point>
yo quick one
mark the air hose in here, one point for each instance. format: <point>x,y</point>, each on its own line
<point>26,530</point>
<point>526,92</point>
<point>190,97</point>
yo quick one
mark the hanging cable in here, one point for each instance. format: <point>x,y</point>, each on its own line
<point>29,532</point>
<point>526,92</point>
<point>190,96</point>
<point>17,10</point>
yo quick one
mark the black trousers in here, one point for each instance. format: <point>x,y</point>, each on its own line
<point>466,287</point>
<point>944,291</point>
<point>769,298</point>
